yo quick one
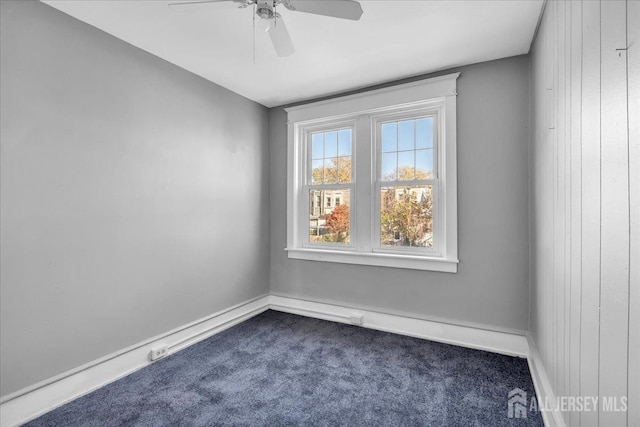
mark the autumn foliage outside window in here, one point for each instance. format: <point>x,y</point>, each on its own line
<point>338,223</point>
<point>406,216</point>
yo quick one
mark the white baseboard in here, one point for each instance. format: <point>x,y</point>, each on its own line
<point>31,402</point>
<point>541,382</point>
<point>465,336</point>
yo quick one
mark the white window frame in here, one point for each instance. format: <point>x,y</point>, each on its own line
<point>365,111</point>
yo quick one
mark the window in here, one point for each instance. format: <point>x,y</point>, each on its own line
<point>328,177</point>
<point>405,181</point>
<point>372,178</point>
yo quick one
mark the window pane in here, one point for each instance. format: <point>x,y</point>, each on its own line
<point>405,165</point>
<point>331,170</point>
<point>405,135</point>
<point>325,165</point>
<point>389,137</point>
<point>389,166</point>
<point>344,169</point>
<point>411,162</point>
<point>331,144</point>
<point>317,171</point>
<point>424,164</point>
<point>329,216</point>
<point>406,216</point>
<point>344,142</point>
<point>424,133</point>
<point>317,146</point>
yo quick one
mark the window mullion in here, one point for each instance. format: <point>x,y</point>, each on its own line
<point>363,179</point>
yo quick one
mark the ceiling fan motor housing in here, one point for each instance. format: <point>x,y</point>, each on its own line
<point>265,10</point>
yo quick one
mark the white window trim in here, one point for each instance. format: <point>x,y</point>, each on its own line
<point>438,91</point>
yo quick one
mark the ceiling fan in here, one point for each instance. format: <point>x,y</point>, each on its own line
<point>267,10</point>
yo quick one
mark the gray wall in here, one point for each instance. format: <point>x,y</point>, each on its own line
<point>585,204</point>
<point>491,286</point>
<point>133,195</point>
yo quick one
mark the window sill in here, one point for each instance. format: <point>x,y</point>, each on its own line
<point>375,259</point>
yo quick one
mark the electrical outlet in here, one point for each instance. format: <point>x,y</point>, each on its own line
<point>158,352</point>
<point>357,318</point>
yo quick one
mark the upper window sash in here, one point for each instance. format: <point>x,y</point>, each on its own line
<point>341,152</point>
<point>432,147</point>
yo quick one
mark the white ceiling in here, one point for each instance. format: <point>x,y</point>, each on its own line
<point>393,39</point>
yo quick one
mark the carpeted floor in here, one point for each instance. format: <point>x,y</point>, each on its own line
<point>281,369</point>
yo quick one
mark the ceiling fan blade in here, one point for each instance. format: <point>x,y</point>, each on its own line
<point>189,3</point>
<point>345,9</point>
<point>280,37</point>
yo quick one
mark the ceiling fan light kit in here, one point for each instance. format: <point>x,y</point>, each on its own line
<point>267,10</point>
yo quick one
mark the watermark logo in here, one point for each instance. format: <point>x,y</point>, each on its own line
<point>517,403</point>
<point>519,406</point>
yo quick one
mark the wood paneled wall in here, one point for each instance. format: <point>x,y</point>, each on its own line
<point>585,191</point>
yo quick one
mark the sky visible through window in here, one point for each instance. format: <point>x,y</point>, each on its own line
<point>407,150</point>
<point>331,156</point>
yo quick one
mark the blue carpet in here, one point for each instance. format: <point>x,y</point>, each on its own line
<point>281,369</point>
